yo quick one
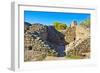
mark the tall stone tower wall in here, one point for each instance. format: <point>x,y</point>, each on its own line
<point>70,34</point>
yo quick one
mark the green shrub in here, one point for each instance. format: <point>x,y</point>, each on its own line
<point>59,26</point>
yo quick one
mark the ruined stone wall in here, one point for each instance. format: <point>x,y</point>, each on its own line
<point>39,28</point>
<point>34,46</point>
<point>82,32</point>
<point>79,41</point>
<point>81,49</point>
<point>70,34</point>
<point>35,49</point>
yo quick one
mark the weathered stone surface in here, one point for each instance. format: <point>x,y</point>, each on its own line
<point>78,38</point>
<point>57,40</point>
<point>80,48</point>
<point>82,32</point>
<point>54,36</point>
<point>40,29</point>
<point>60,49</point>
<point>35,48</point>
<point>70,34</point>
<point>35,45</point>
<point>26,26</point>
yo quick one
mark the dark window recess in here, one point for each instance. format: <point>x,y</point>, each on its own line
<point>30,48</point>
<point>74,39</point>
<point>84,55</point>
<point>27,28</point>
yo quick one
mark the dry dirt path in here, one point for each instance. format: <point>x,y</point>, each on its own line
<point>55,58</point>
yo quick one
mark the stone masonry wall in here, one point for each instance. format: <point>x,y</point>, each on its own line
<point>70,34</point>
